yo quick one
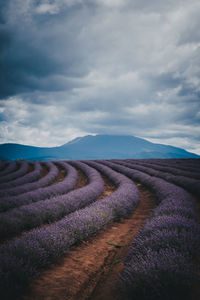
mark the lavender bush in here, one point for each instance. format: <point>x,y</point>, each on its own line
<point>22,258</point>
<point>47,211</point>
<point>188,164</point>
<point>190,184</point>
<point>9,168</point>
<point>23,169</point>
<point>49,178</point>
<point>167,168</point>
<point>160,262</point>
<point>37,194</point>
<point>175,164</point>
<point>11,188</point>
<point>3,165</point>
<point>164,274</point>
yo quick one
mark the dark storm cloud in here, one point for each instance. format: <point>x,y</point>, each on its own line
<point>42,39</point>
<point>37,48</point>
<point>3,5</point>
<point>75,67</point>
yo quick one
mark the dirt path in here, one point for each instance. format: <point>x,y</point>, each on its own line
<point>82,180</point>
<point>108,188</point>
<point>61,175</point>
<point>44,171</point>
<point>31,168</point>
<point>90,270</point>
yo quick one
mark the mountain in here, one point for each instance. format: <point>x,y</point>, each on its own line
<point>95,147</point>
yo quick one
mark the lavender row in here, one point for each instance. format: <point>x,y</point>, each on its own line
<point>190,184</point>
<point>49,178</point>
<point>179,166</point>
<point>23,169</point>
<point>193,162</point>
<point>22,258</point>
<point>153,183</point>
<point>11,188</point>
<point>27,190</point>
<point>182,164</point>
<point>108,172</point>
<point>11,167</point>
<point>178,163</point>
<point>3,165</point>
<point>42,193</point>
<point>47,211</point>
<point>160,264</point>
<point>153,273</point>
<point>170,168</point>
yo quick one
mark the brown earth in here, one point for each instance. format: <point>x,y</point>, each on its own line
<point>61,176</point>
<point>31,168</point>
<point>108,188</point>
<point>82,180</point>
<point>90,271</point>
<point>43,172</point>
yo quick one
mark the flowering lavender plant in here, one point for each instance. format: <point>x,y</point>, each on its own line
<point>47,211</point>
<point>160,263</point>
<point>42,193</point>
<point>11,187</point>
<point>23,257</point>
<point>9,168</point>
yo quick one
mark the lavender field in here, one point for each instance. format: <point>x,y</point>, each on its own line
<point>46,210</point>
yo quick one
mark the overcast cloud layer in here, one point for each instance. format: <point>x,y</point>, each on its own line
<point>74,67</point>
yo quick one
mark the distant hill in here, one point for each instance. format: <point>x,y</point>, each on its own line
<point>95,147</point>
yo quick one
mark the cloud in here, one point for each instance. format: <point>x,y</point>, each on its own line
<point>72,67</point>
<point>47,8</point>
<point>36,124</point>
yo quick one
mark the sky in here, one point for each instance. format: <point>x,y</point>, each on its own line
<point>70,68</point>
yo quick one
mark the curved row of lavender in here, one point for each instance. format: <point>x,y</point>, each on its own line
<point>22,170</point>
<point>22,258</point>
<point>11,187</point>
<point>51,190</point>
<point>107,172</point>
<point>160,264</point>
<point>190,184</point>
<point>10,167</point>
<point>180,164</point>
<point>3,165</point>
<point>41,193</point>
<point>191,163</point>
<point>30,216</point>
<point>194,173</point>
<point>50,177</point>
<point>167,168</point>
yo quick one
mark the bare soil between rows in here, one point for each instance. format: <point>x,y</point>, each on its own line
<point>90,270</point>
<point>44,171</point>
